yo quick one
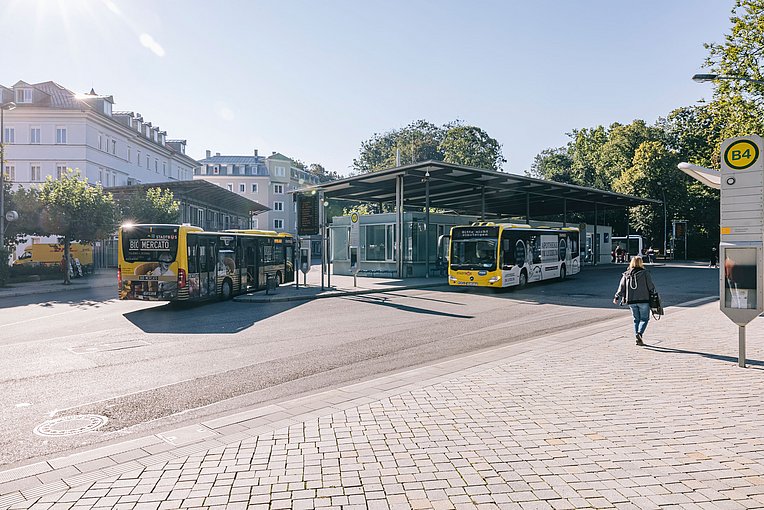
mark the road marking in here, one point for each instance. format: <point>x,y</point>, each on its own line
<point>37,318</point>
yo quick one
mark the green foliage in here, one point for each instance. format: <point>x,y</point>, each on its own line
<point>156,206</point>
<point>421,140</point>
<point>471,146</point>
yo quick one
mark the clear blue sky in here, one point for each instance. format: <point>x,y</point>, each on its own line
<point>313,79</point>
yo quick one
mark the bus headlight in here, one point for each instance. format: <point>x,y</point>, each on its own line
<point>451,278</point>
<point>494,279</point>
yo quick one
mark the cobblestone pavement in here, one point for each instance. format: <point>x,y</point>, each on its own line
<point>581,419</point>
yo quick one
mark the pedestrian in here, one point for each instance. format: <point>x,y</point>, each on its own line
<point>618,254</point>
<point>634,290</point>
<point>651,255</point>
<point>714,259</point>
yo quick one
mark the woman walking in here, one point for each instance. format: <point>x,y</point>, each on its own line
<point>634,290</point>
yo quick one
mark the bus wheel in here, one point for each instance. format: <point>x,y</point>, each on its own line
<point>226,290</point>
<point>563,272</point>
<point>523,279</point>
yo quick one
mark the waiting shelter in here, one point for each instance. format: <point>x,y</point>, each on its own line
<point>462,191</point>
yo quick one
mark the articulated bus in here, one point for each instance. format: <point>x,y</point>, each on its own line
<point>503,255</point>
<point>185,263</point>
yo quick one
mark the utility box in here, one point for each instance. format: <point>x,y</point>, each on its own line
<point>305,259</point>
<point>741,276</point>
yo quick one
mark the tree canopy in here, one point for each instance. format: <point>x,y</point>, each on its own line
<point>157,205</point>
<point>454,142</point>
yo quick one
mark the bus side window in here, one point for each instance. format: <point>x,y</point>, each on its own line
<point>506,251</point>
<point>202,265</point>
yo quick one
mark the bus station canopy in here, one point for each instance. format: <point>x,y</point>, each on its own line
<point>475,191</point>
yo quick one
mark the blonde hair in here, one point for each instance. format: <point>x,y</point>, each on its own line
<point>636,262</point>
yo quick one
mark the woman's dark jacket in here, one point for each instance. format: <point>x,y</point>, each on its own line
<point>635,287</point>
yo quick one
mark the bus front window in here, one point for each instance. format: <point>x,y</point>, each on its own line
<point>473,254</point>
<point>150,244</point>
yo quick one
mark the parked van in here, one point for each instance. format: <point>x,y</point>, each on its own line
<point>50,254</point>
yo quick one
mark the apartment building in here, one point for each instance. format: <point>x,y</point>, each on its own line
<point>52,128</point>
<point>266,180</point>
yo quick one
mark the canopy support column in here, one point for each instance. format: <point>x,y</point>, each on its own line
<point>564,212</point>
<point>528,208</point>
<point>427,224</point>
<point>399,225</point>
<point>595,248</point>
<point>482,203</point>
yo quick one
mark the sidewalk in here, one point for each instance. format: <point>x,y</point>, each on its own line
<point>100,278</point>
<point>579,419</point>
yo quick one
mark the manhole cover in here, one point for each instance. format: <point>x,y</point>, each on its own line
<point>71,425</point>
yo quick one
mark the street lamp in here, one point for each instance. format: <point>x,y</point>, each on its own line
<point>665,224</point>
<point>703,78</point>
<point>4,106</point>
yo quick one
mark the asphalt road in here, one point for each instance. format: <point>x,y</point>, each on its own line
<point>149,367</point>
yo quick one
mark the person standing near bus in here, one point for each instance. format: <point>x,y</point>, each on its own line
<point>634,289</point>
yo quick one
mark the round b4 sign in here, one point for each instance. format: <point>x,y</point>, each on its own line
<point>741,154</point>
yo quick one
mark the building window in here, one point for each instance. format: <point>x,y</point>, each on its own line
<point>35,173</point>
<point>24,95</point>
<point>278,224</point>
<point>10,173</point>
<point>61,135</point>
<point>278,206</point>
<point>377,242</point>
<point>280,171</point>
<point>278,189</point>
<point>156,165</point>
<point>129,154</point>
<point>138,158</point>
<point>114,147</point>
<point>148,162</point>
<point>254,188</point>
<point>230,187</point>
<point>242,188</point>
<point>34,135</point>
<point>10,135</point>
<point>60,171</point>
<point>164,168</point>
<point>100,175</point>
<point>254,222</point>
<point>100,142</point>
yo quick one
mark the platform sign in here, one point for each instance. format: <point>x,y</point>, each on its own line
<point>741,276</point>
<point>355,230</point>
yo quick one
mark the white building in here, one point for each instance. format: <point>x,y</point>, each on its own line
<point>52,129</point>
<point>266,180</point>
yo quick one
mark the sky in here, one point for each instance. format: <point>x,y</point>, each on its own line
<point>314,79</point>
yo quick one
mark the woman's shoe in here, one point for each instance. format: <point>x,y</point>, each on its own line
<point>639,339</point>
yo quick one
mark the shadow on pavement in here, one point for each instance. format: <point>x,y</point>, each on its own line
<point>759,365</point>
<point>205,317</point>
<point>385,301</point>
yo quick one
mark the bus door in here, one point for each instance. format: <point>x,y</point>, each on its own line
<point>289,267</point>
<point>207,261</point>
<point>265,261</point>
<point>193,266</point>
<point>249,245</point>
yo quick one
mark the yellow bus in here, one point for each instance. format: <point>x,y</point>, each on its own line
<point>185,263</point>
<point>502,255</point>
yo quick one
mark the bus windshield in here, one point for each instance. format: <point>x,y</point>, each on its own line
<point>476,253</point>
<point>146,243</point>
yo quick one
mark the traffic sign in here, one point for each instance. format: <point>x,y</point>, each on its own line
<point>741,154</point>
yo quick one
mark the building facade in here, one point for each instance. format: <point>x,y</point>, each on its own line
<point>52,129</point>
<point>266,180</point>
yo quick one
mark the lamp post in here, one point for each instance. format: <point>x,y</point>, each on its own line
<point>665,225</point>
<point>5,106</point>
<point>703,78</point>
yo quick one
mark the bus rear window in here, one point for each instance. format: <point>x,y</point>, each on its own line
<point>149,244</point>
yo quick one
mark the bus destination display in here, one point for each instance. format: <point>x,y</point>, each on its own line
<point>307,215</point>
<point>475,232</point>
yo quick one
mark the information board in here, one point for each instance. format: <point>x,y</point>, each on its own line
<point>308,223</point>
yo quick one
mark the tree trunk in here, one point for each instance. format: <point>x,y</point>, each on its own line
<point>67,257</point>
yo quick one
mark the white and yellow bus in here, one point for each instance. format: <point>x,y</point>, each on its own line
<point>185,263</point>
<point>502,255</point>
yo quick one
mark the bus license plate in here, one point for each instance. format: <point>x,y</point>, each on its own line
<point>469,284</point>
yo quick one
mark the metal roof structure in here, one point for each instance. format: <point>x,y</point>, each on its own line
<point>476,191</point>
<point>197,191</point>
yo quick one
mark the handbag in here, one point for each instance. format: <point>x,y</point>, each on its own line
<point>655,305</point>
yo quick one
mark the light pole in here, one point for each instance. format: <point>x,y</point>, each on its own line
<point>5,106</point>
<point>703,78</point>
<point>665,225</point>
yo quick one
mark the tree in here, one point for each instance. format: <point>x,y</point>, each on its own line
<point>157,205</point>
<point>454,142</point>
<point>322,173</point>
<point>554,165</point>
<point>471,146</point>
<point>75,211</point>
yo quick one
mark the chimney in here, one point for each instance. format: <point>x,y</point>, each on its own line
<point>255,152</point>
<point>209,153</point>
<point>217,154</point>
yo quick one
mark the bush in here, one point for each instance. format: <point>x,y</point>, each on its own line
<point>23,272</point>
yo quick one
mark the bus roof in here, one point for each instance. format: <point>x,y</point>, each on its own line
<point>518,226</point>
<point>271,233</point>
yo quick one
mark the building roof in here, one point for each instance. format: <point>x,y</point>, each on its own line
<point>233,160</point>
<point>197,191</point>
<point>464,189</point>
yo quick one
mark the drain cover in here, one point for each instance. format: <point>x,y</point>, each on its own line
<point>71,425</point>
